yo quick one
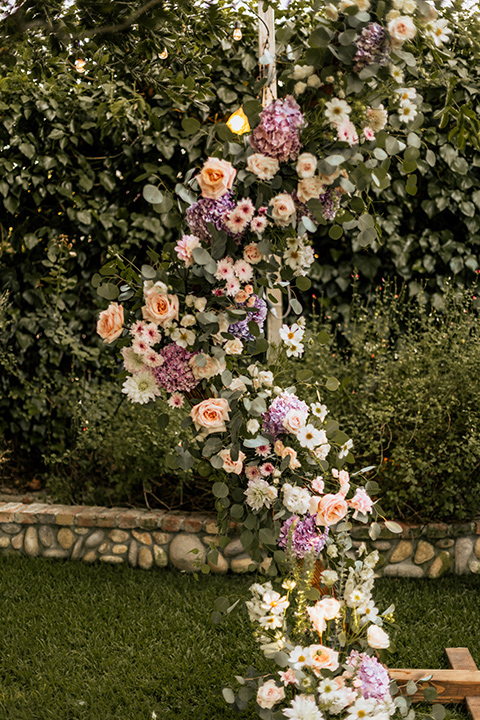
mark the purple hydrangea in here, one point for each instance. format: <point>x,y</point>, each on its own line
<point>372,47</point>
<point>283,403</point>
<point>257,313</point>
<point>278,132</point>
<point>175,375</point>
<point>305,535</point>
<point>206,211</point>
<point>373,675</point>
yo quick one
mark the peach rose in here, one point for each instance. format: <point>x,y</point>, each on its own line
<point>110,322</point>
<point>401,29</point>
<point>294,420</point>
<point>323,657</point>
<point>329,509</point>
<point>216,178</point>
<point>377,638</point>
<point>292,454</point>
<point>232,466</point>
<point>306,165</point>
<point>269,694</point>
<point>211,414</point>
<point>264,167</point>
<point>241,297</point>
<point>309,188</point>
<point>160,307</point>
<point>212,367</point>
<point>283,209</point>
<point>252,254</point>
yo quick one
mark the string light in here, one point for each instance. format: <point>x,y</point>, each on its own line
<point>237,33</point>
<point>238,122</point>
<point>164,54</point>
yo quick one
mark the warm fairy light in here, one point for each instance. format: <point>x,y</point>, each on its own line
<point>164,54</point>
<point>237,33</point>
<point>80,65</point>
<point>238,122</point>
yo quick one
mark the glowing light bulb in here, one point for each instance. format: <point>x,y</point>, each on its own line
<point>237,33</point>
<point>238,122</point>
<point>80,65</point>
<point>164,54</point>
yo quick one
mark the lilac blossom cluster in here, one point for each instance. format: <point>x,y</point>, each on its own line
<point>206,211</point>
<point>372,47</point>
<point>273,418</point>
<point>372,674</point>
<point>175,374</point>
<point>277,134</point>
<point>257,313</point>
<point>304,535</point>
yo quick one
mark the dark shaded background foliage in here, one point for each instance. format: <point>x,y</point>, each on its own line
<point>77,150</point>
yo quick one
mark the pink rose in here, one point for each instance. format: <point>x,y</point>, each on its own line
<point>232,466</point>
<point>306,165</point>
<point>160,307</point>
<point>264,167</point>
<point>110,322</point>
<point>269,694</point>
<point>329,509</point>
<point>211,414</point>
<point>252,254</point>
<point>216,178</point>
<point>309,188</point>
<point>401,29</point>
<point>283,209</point>
<point>323,657</point>
<point>294,420</point>
<point>361,502</point>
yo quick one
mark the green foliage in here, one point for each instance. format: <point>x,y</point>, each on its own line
<point>410,399</point>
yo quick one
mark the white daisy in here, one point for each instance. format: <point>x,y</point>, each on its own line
<point>438,31</point>
<point>337,111</point>
<point>397,74</point>
<point>345,448</point>
<point>310,437</point>
<point>319,410</point>
<point>407,111</point>
<point>273,602</point>
<point>183,337</point>
<point>303,707</point>
<point>299,657</point>
<point>141,388</point>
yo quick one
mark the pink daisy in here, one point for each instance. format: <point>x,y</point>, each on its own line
<point>152,358</point>
<point>267,469</point>
<point>258,225</point>
<point>243,270</point>
<point>232,287</point>
<point>368,133</point>
<point>346,132</point>
<point>175,400</point>
<point>137,328</point>
<point>263,450</point>
<point>219,292</point>
<point>151,334</point>
<point>246,208</point>
<point>224,269</point>
<point>235,221</point>
<point>140,346</point>
<point>253,472</point>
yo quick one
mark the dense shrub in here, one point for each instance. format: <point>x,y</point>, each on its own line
<point>410,397</point>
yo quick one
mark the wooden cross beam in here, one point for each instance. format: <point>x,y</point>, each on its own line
<point>460,684</point>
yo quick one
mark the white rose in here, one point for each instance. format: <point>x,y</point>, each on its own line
<point>300,72</point>
<point>283,209</point>
<point>237,384</point>
<point>306,165</point>
<point>200,304</point>
<point>294,420</point>
<point>296,499</point>
<point>377,638</point>
<point>299,88</point>
<point>188,320</point>
<point>269,694</point>
<point>309,188</point>
<point>253,426</point>
<point>233,347</point>
<point>401,29</point>
<point>314,81</point>
<point>331,12</point>
<point>392,15</point>
<point>264,167</point>
<point>265,377</point>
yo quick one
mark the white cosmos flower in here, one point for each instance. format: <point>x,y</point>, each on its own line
<point>271,621</point>
<point>345,448</point>
<point>362,709</point>
<point>337,111</point>
<point>295,350</point>
<point>319,410</point>
<point>310,437</point>
<point>299,657</point>
<point>407,112</point>
<point>397,74</point>
<point>404,94</point>
<point>274,602</point>
<point>291,335</point>
<point>438,31</point>
<point>141,388</point>
<point>183,337</point>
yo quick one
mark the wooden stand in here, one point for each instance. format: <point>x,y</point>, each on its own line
<point>460,684</point>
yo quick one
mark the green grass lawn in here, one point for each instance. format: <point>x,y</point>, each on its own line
<point>82,642</point>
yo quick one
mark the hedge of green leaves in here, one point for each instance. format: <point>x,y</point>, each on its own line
<point>79,147</point>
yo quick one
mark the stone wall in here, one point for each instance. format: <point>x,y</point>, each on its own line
<point>155,538</point>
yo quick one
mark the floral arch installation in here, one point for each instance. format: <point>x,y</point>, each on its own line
<point>190,328</point>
